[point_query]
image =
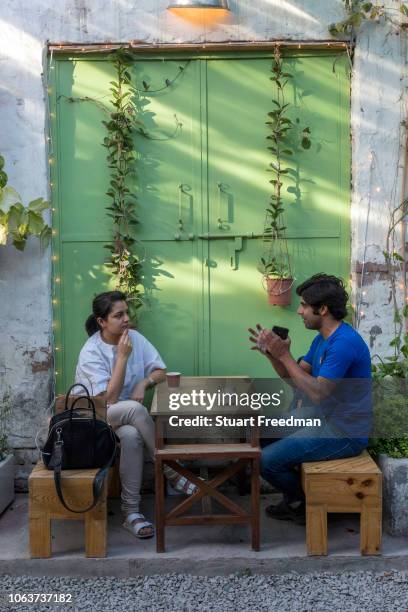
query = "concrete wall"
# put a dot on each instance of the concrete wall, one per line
(378, 107)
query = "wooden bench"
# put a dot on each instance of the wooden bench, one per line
(343, 485)
(45, 505)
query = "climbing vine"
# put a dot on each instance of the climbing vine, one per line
(275, 262)
(359, 11)
(124, 262)
(122, 124)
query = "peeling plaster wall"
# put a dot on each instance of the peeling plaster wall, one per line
(378, 107)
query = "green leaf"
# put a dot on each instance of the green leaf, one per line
(306, 142)
(333, 29)
(3, 178)
(404, 9)
(1, 162)
(397, 257)
(35, 223)
(405, 311)
(38, 205)
(367, 6)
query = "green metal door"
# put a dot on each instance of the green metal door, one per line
(239, 97)
(204, 161)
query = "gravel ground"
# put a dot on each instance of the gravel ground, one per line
(242, 592)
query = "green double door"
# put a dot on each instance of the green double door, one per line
(202, 187)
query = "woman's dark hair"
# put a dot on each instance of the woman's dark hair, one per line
(325, 290)
(101, 307)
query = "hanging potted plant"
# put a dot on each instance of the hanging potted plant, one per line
(278, 280)
(6, 457)
(277, 276)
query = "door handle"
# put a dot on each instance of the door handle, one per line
(220, 192)
(183, 190)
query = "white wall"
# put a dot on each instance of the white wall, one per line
(378, 107)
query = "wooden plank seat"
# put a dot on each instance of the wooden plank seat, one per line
(45, 505)
(241, 454)
(353, 484)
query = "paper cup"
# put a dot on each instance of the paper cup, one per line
(173, 379)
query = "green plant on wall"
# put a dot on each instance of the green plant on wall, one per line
(275, 261)
(124, 262)
(359, 11)
(391, 373)
(18, 222)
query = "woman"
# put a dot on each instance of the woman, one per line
(121, 364)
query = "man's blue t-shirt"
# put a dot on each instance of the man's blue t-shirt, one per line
(345, 357)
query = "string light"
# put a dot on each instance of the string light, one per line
(54, 257)
(364, 293)
(57, 348)
(378, 189)
(50, 160)
(55, 301)
(57, 279)
(54, 232)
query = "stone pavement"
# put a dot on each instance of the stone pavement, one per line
(205, 550)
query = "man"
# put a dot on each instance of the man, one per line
(329, 376)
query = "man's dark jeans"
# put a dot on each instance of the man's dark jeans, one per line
(281, 457)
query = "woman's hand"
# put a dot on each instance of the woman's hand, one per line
(139, 391)
(124, 346)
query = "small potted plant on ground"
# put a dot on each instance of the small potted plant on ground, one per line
(6, 457)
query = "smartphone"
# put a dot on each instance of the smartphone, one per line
(282, 332)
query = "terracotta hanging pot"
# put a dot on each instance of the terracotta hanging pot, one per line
(279, 291)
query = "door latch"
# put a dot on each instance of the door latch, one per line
(236, 246)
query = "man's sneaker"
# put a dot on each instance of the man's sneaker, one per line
(284, 512)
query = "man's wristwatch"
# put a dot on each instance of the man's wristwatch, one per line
(151, 381)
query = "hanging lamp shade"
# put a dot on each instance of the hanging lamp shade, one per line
(199, 4)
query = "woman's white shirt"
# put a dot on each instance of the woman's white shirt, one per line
(97, 359)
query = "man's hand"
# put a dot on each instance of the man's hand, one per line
(254, 337)
(274, 345)
(139, 391)
(268, 343)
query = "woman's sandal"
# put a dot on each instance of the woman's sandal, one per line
(183, 485)
(135, 522)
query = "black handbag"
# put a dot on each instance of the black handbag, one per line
(79, 441)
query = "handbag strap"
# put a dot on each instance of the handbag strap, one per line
(97, 484)
(90, 405)
(69, 392)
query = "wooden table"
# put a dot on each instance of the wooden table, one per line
(239, 453)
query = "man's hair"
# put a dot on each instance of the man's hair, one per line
(325, 290)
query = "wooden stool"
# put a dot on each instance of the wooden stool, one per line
(343, 485)
(45, 505)
(241, 453)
